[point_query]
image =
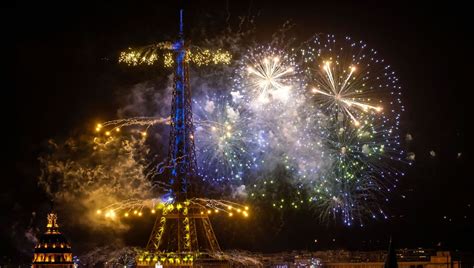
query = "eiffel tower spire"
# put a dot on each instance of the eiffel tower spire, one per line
(181, 147)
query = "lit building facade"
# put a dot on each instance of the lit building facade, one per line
(52, 250)
(440, 259)
(406, 258)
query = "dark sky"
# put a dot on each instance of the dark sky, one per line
(64, 75)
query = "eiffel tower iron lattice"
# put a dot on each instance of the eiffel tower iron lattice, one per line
(182, 233)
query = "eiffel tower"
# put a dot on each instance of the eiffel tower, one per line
(182, 235)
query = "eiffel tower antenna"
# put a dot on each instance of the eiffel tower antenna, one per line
(181, 31)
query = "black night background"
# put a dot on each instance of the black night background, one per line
(64, 78)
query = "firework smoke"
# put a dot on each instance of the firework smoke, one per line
(84, 174)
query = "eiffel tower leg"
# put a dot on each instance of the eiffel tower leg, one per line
(157, 233)
(186, 231)
(211, 236)
(193, 233)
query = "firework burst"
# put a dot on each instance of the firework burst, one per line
(267, 77)
(223, 139)
(359, 96)
(349, 79)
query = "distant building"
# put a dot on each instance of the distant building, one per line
(53, 250)
(406, 258)
(418, 258)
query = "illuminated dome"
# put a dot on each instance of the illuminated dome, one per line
(53, 249)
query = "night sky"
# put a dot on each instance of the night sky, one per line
(64, 77)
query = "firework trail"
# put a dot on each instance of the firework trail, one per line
(131, 122)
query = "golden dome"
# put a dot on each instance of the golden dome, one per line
(52, 249)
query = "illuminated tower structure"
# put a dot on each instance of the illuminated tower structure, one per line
(52, 250)
(182, 235)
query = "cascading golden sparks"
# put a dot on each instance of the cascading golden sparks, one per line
(138, 207)
(151, 55)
